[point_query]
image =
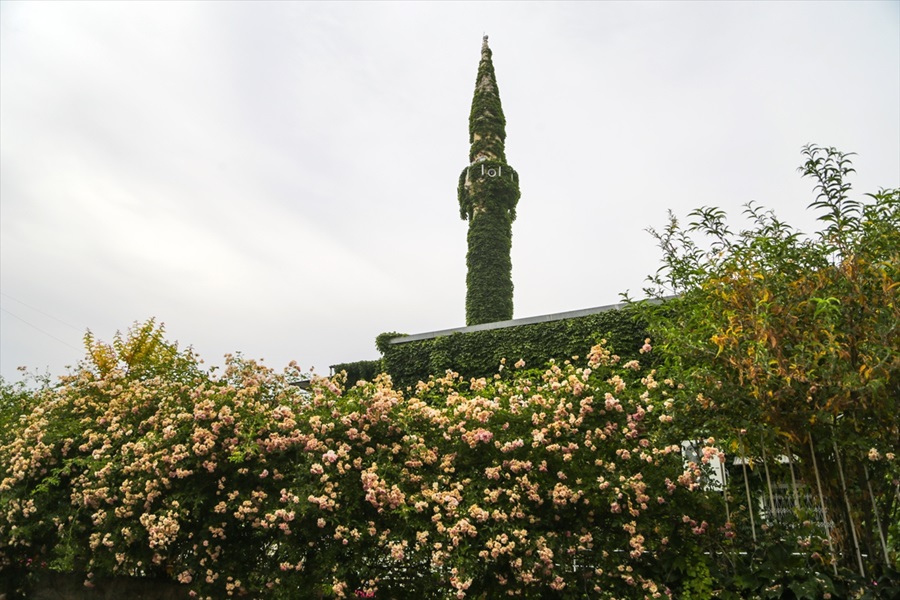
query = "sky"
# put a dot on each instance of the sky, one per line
(279, 179)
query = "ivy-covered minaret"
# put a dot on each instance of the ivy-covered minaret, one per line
(488, 194)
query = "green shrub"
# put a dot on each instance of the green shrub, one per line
(238, 483)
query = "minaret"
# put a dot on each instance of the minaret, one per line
(488, 194)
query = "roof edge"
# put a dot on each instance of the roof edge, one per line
(572, 314)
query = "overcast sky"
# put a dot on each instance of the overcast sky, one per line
(280, 178)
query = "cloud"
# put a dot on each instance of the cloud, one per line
(280, 178)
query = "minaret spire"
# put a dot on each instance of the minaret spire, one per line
(488, 194)
(487, 126)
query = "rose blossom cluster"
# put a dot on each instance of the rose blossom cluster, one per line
(534, 479)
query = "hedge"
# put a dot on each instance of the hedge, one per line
(478, 353)
(359, 370)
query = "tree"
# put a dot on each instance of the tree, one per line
(791, 343)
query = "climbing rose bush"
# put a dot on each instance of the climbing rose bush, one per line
(237, 482)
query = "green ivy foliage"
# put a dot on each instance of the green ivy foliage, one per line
(487, 125)
(480, 192)
(488, 193)
(478, 353)
(489, 286)
(366, 370)
(383, 341)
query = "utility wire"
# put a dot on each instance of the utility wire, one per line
(172, 349)
(64, 343)
(39, 311)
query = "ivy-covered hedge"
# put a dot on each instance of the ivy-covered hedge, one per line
(361, 369)
(478, 353)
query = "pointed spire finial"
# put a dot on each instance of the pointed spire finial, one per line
(486, 122)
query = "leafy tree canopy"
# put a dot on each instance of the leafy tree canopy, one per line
(791, 337)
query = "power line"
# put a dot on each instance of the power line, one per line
(39, 311)
(64, 343)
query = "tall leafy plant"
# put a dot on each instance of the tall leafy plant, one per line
(792, 345)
